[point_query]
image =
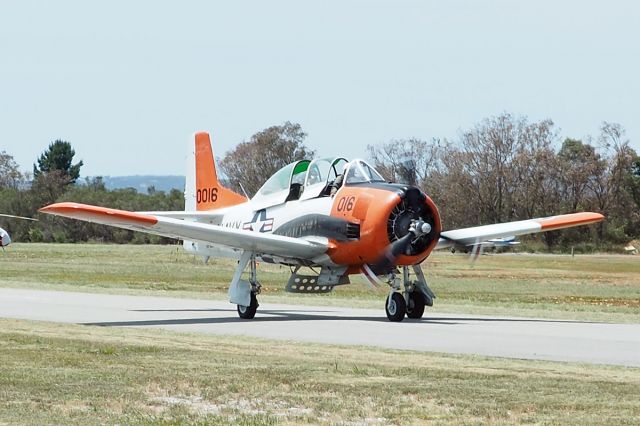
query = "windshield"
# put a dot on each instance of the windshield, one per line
(360, 171)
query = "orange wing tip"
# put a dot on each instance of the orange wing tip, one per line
(569, 220)
(80, 211)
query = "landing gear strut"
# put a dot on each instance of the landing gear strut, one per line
(410, 302)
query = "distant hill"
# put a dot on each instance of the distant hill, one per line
(144, 182)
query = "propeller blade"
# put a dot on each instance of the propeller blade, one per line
(415, 199)
(476, 252)
(391, 253)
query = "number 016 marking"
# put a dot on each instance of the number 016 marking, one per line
(345, 204)
(207, 194)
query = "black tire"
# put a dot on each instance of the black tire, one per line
(397, 308)
(248, 312)
(415, 310)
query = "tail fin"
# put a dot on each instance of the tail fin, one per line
(202, 189)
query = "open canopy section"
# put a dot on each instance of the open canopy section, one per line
(282, 185)
(321, 173)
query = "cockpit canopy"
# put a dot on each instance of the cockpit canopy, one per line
(306, 179)
(283, 178)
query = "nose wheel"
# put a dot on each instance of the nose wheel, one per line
(396, 307)
(415, 308)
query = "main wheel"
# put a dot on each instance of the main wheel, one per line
(396, 307)
(248, 312)
(415, 310)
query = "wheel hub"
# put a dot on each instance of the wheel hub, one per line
(392, 307)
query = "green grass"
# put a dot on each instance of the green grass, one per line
(72, 374)
(588, 287)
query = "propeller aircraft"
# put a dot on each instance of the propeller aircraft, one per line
(5, 239)
(368, 226)
(492, 243)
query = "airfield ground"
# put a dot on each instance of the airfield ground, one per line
(588, 287)
(66, 373)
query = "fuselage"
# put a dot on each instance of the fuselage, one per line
(358, 222)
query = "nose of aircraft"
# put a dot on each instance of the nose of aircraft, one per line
(411, 208)
(5, 240)
(409, 228)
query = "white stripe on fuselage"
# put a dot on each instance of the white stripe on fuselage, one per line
(243, 216)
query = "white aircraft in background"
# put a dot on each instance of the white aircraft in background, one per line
(491, 243)
(5, 239)
(370, 226)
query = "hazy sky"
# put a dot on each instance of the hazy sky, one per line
(127, 82)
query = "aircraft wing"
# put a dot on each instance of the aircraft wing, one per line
(261, 243)
(479, 234)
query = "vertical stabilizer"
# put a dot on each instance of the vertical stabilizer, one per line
(203, 191)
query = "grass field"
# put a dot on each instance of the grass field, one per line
(588, 287)
(72, 374)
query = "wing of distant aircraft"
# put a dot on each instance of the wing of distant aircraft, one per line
(303, 217)
(18, 217)
(5, 239)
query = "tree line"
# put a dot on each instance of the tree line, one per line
(504, 168)
(55, 179)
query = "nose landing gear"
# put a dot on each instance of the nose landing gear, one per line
(412, 301)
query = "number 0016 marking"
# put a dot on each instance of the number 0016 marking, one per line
(207, 194)
(345, 204)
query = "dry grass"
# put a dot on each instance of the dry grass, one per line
(70, 374)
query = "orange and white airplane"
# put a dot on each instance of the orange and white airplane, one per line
(369, 226)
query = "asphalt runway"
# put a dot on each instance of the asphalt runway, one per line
(524, 338)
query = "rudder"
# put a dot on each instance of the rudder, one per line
(203, 191)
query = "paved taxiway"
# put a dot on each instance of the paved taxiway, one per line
(527, 338)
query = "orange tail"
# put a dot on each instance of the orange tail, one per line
(203, 191)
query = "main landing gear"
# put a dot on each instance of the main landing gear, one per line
(244, 293)
(410, 302)
(248, 312)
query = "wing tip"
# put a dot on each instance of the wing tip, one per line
(570, 220)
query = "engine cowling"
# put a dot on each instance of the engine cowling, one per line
(385, 213)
